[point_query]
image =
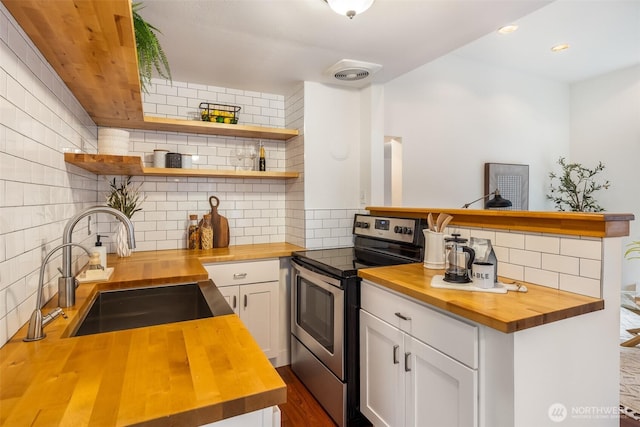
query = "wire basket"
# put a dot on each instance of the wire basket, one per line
(219, 113)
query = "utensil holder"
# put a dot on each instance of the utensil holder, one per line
(433, 250)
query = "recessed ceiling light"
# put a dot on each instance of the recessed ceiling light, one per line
(507, 29)
(560, 47)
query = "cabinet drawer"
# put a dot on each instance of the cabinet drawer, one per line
(240, 273)
(451, 336)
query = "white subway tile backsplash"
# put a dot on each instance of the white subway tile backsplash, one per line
(542, 243)
(483, 234)
(561, 264)
(509, 240)
(525, 258)
(590, 268)
(580, 285)
(541, 277)
(39, 193)
(583, 248)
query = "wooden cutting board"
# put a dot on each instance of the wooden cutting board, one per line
(220, 225)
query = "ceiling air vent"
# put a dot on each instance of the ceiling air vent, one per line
(352, 74)
(348, 70)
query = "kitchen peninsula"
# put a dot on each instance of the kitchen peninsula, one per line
(186, 373)
(532, 359)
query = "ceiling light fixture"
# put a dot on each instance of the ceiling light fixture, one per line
(560, 47)
(349, 8)
(507, 29)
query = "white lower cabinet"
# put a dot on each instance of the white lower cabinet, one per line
(252, 291)
(404, 381)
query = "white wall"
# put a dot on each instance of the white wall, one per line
(454, 115)
(331, 147)
(605, 126)
(371, 140)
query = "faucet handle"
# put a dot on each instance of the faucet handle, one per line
(52, 315)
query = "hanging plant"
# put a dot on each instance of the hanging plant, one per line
(125, 197)
(576, 185)
(150, 53)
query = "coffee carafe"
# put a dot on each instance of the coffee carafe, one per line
(459, 259)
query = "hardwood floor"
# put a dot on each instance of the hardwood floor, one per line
(628, 422)
(301, 409)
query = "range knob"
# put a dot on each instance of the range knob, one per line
(397, 229)
(365, 225)
(407, 230)
(358, 224)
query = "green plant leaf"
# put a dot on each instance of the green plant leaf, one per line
(575, 187)
(150, 53)
(125, 197)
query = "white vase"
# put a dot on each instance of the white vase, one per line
(122, 243)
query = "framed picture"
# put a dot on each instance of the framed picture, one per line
(511, 180)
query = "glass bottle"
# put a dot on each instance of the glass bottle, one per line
(193, 235)
(206, 232)
(262, 162)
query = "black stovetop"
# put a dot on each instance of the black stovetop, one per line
(345, 262)
(341, 262)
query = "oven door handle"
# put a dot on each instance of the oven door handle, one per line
(327, 283)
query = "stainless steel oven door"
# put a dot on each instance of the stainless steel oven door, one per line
(317, 316)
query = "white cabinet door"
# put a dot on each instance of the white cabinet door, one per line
(232, 295)
(258, 309)
(440, 391)
(252, 289)
(382, 381)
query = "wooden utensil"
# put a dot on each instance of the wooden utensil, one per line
(430, 222)
(445, 222)
(439, 222)
(220, 225)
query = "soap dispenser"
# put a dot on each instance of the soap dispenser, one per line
(102, 250)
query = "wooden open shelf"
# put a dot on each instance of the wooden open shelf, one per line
(99, 64)
(105, 164)
(207, 128)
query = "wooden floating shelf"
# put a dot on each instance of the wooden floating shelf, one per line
(195, 126)
(107, 85)
(105, 164)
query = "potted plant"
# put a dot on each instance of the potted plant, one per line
(127, 199)
(576, 185)
(633, 251)
(150, 53)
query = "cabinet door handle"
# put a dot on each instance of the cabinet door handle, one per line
(395, 354)
(402, 316)
(235, 302)
(246, 301)
(238, 276)
(406, 362)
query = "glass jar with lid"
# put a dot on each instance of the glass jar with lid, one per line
(206, 232)
(193, 233)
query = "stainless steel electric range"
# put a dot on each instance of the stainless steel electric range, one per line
(325, 299)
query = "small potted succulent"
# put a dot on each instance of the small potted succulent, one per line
(126, 198)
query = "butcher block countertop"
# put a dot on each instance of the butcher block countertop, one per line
(510, 312)
(180, 374)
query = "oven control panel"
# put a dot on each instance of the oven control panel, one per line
(388, 228)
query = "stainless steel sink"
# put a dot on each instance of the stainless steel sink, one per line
(147, 306)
